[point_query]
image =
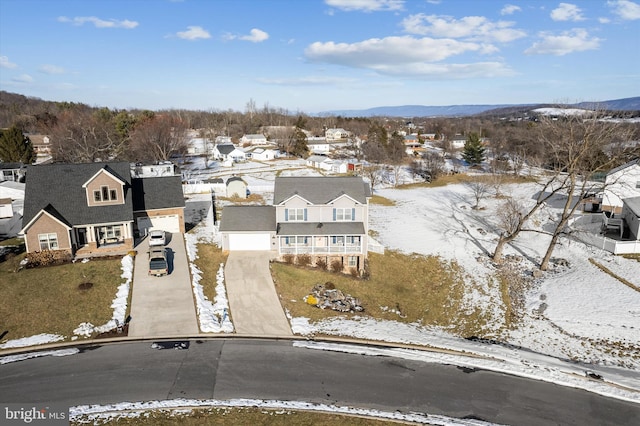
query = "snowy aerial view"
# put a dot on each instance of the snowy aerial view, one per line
(577, 325)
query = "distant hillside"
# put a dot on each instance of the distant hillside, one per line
(627, 104)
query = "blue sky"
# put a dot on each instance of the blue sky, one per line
(318, 55)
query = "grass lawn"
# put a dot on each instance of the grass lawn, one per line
(48, 299)
(209, 259)
(241, 416)
(401, 287)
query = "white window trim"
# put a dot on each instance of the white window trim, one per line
(50, 239)
(296, 214)
(345, 212)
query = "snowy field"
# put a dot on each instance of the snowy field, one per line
(576, 320)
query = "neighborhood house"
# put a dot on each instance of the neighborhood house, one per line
(97, 208)
(323, 217)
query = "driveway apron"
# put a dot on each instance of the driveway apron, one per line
(163, 306)
(254, 303)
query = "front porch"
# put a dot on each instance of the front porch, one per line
(102, 239)
(320, 245)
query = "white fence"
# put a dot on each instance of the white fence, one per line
(586, 229)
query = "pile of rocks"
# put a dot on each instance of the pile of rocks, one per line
(326, 296)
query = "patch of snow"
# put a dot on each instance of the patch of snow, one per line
(21, 357)
(38, 339)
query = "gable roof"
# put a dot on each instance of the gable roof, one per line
(248, 218)
(235, 179)
(154, 193)
(624, 166)
(321, 190)
(59, 187)
(227, 149)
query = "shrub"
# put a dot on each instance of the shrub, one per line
(354, 272)
(336, 265)
(48, 258)
(303, 260)
(288, 259)
(321, 263)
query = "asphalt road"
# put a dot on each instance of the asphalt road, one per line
(265, 369)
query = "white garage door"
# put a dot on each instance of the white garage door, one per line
(170, 223)
(249, 242)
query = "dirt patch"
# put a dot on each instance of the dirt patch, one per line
(85, 286)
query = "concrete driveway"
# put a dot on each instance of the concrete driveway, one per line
(253, 301)
(163, 306)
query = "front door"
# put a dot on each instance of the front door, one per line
(82, 237)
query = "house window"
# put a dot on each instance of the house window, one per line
(352, 261)
(341, 215)
(296, 241)
(296, 215)
(337, 240)
(105, 194)
(110, 233)
(353, 240)
(638, 184)
(48, 241)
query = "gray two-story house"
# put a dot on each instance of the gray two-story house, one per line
(323, 217)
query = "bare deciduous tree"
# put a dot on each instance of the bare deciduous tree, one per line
(579, 147)
(82, 136)
(479, 189)
(158, 138)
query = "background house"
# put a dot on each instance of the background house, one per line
(228, 154)
(12, 172)
(621, 182)
(255, 139)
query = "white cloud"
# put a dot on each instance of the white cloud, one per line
(604, 20)
(6, 63)
(255, 36)
(625, 9)
(23, 78)
(576, 40)
(194, 33)
(99, 23)
(408, 56)
(366, 5)
(510, 9)
(469, 27)
(51, 69)
(567, 12)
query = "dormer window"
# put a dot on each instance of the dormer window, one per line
(105, 194)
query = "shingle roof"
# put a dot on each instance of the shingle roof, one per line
(321, 190)
(323, 228)
(59, 186)
(157, 193)
(634, 205)
(624, 166)
(226, 149)
(248, 218)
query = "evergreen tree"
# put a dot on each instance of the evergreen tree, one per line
(473, 152)
(15, 147)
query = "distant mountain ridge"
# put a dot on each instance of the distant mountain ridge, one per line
(626, 104)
